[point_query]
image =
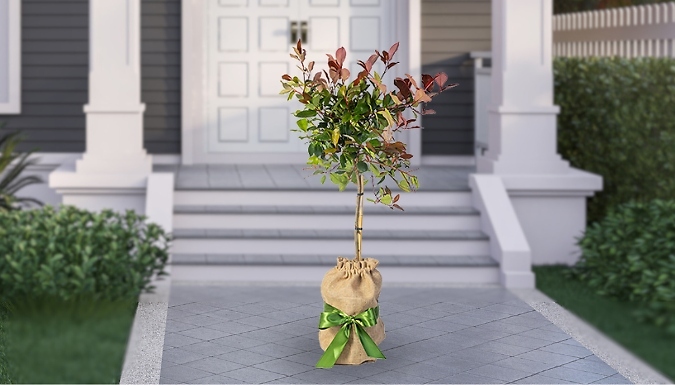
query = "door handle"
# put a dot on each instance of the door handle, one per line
(304, 29)
(294, 32)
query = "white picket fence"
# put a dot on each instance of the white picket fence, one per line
(638, 31)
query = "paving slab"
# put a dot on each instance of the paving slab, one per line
(268, 334)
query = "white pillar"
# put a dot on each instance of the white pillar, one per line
(115, 112)
(548, 195)
(522, 117)
(114, 169)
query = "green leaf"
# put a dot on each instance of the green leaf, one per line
(302, 123)
(335, 136)
(374, 170)
(387, 116)
(403, 185)
(386, 199)
(305, 113)
(323, 179)
(362, 166)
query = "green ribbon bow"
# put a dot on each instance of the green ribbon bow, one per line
(334, 317)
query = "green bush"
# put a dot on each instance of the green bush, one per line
(74, 253)
(617, 119)
(630, 255)
(12, 165)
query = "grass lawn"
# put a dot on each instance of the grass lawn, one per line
(612, 317)
(66, 342)
(4, 376)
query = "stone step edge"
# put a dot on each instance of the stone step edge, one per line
(459, 188)
(326, 260)
(324, 210)
(263, 234)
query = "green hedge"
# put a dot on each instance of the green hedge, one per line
(630, 256)
(74, 253)
(617, 119)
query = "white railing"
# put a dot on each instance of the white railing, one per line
(638, 31)
(482, 93)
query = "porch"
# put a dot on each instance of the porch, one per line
(279, 223)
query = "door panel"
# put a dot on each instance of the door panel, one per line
(247, 52)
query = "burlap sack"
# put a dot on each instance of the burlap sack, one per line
(352, 287)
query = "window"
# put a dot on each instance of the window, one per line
(10, 56)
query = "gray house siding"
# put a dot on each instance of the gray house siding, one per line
(55, 65)
(450, 30)
(55, 46)
(55, 60)
(160, 74)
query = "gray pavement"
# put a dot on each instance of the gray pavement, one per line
(254, 334)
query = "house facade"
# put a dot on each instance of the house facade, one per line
(195, 82)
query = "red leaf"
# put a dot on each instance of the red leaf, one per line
(286, 77)
(400, 119)
(428, 112)
(299, 46)
(393, 50)
(344, 74)
(398, 207)
(317, 76)
(412, 81)
(341, 54)
(453, 85)
(391, 64)
(421, 96)
(333, 74)
(403, 87)
(427, 81)
(372, 59)
(441, 78)
(362, 75)
(310, 66)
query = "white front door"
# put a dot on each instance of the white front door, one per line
(248, 47)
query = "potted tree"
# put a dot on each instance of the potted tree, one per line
(349, 126)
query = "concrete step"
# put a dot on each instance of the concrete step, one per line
(314, 198)
(320, 210)
(313, 274)
(309, 242)
(330, 260)
(326, 217)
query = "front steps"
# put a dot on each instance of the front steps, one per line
(291, 235)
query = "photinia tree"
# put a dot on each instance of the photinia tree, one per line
(350, 125)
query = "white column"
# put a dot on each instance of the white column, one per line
(113, 172)
(522, 117)
(115, 112)
(549, 196)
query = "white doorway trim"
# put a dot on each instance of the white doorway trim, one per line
(193, 81)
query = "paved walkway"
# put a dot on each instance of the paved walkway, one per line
(253, 334)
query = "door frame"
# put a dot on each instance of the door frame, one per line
(194, 75)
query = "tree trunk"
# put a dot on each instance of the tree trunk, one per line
(358, 225)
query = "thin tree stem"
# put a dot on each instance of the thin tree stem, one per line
(358, 225)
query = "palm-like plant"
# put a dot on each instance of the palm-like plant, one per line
(12, 165)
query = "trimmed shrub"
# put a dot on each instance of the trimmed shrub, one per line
(617, 119)
(630, 256)
(75, 253)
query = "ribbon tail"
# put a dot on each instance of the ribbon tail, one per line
(335, 348)
(368, 344)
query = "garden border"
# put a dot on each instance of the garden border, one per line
(143, 357)
(615, 355)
